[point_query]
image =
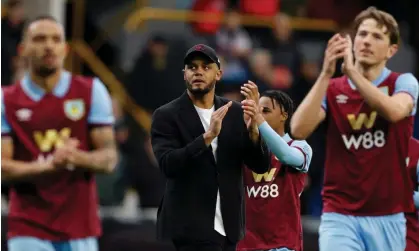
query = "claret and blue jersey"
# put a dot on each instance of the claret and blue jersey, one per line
(61, 205)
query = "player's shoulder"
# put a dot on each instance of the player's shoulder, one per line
(413, 143)
(405, 77)
(10, 89)
(82, 81)
(303, 145)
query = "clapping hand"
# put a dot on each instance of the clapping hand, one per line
(336, 48)
(250, 92)
(348, 58)
(64, 155)
(216, 123)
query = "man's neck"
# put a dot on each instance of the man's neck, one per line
(280, 130)
(46, 83)
(371, 72)
(205, 101)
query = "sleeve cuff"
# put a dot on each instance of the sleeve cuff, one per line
(303, 166)
(196, 147)
(5, 134)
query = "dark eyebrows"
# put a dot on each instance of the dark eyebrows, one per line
(192, 64)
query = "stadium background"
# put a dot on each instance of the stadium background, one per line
(136, 48)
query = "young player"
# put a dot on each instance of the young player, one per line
(56, 133)
(273, 220)
(412, 218)
(370, 120)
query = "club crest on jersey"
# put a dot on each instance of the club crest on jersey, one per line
(74, 109)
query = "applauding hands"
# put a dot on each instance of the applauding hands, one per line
(252, 114)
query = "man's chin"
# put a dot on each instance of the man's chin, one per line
(46, 71)
(198, 91)
(367, 61)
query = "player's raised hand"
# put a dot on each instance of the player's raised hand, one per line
(250, 91)
(251, 109)
(217, 120)
(348, 63)
(335, 50)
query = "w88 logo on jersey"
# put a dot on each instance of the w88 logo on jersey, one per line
(366, 140)
(262, 191)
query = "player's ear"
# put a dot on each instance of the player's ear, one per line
(392, 50)
(284, 116)
(184, 74)
(218, 75)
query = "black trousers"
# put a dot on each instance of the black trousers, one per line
(221, 243)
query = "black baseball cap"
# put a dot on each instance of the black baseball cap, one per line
(204, 50)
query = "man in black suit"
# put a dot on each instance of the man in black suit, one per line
(201, 142)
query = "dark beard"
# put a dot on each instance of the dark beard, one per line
(45, 71)
(199, 92)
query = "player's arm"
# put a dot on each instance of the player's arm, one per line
(13, 169)
(393, 108)
(293, 156)
(298, 155)
(172, 158)
(18, 170)
(310, 113)
(103, 158)
(256, 154)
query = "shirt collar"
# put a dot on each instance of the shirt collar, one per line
(36, 93)
(384, 74)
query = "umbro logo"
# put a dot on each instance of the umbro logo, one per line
(24, 114)
(341, 99)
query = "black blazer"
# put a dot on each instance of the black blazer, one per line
(193, 177)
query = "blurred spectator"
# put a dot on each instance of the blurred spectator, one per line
(11, 31)
(233, 44)
(342, 11)
(260, 63)
(212, 7)
(154, 79)
(265, 8)
(286, 58)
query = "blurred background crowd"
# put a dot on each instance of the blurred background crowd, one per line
(136, 48)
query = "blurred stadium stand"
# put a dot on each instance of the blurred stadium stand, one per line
(136, 48)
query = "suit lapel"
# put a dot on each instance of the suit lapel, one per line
(192, 122)
(190, 116)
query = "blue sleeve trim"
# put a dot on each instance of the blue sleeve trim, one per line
(5, 127)
(101, 111)
(408, 83)
(416, 199)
